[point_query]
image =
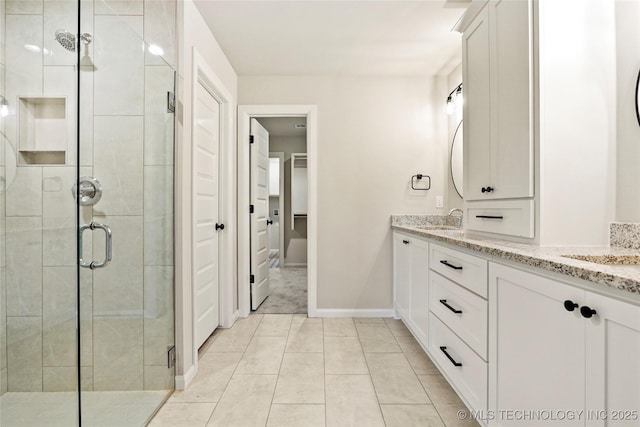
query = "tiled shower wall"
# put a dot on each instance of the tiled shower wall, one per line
(126, 142)
(3, 293)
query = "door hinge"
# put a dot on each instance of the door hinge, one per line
(250, 209)
(171, 356)
(171, 102)
(250, 139)
(252, 278)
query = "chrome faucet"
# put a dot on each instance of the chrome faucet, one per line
(461, 214)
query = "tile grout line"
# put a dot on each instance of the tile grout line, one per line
(414, 371)
(324, 372)
(369, 369)
(234, 369)
(284, 351)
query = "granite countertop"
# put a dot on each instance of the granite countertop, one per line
(622, 277)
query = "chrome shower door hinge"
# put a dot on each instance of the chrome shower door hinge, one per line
(171, 356)
(171, 102)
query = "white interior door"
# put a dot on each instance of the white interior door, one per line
(260, 200)
(205, 211)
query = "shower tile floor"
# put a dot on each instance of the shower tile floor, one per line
(99, 408)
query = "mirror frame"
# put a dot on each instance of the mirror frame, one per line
(638, 98)
(453, 143)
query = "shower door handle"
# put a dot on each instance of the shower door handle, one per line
(107, 232)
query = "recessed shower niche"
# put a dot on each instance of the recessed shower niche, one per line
(42, 130)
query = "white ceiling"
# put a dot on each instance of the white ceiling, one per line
(329, 37)
(284, 126)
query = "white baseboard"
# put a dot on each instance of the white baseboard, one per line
(183, 381)
(294, 264)
(357, 312)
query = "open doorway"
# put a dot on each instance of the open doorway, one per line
(286, 215)
(292, 243)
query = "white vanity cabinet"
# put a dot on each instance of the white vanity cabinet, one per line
(457, 339)
(410, 277)
(549, 351)
(496, 67)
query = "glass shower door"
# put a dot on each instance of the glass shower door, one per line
(126, 237)
(83, 100)
(38, 262)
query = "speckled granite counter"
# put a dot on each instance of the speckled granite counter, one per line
(623, 277)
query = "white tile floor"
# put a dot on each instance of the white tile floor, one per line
(289, 370)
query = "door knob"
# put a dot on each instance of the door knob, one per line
(269, 222)
(219, 227)
(570, 305)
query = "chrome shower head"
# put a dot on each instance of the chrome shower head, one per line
(68, 40)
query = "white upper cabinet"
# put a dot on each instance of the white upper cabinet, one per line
(498, 113)
(476, 109)
(511, 109)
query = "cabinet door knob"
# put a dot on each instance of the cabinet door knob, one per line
(219, 227)
(487, 189)
(570, 305)
(406, 242)
(587, 312)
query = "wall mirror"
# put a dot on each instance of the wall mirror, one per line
(455, 159)
(638, 98)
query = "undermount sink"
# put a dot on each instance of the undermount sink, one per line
(437, 227)
(608, 259)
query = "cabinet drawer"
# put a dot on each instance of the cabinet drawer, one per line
(464, 312)
(466, 270)
(466, 371)
(510, 217)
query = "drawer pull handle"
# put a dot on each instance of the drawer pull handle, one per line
(406, 242)
(444, 302)
(489, 216)
(444, 350)
(487, 189)
(455, 267)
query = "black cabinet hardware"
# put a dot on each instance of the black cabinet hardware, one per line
(444, 302)
(406, 242)
(444, 350)
(570, 305)
(587, 312)
(455, 267)
(219, 227)
(487, 189)
(269, 222)
(489, 216)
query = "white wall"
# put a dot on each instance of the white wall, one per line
(374, 133)
(193, 32)
(628, 137)
(577, 122)
(454, 78)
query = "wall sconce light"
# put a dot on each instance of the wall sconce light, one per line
(4, 106)
(454, 99)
